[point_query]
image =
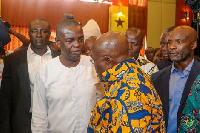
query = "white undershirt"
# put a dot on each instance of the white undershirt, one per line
(34, 63)
(64, 97)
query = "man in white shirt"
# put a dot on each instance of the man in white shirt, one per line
(66, 87)
(19, 77)
(135, 40)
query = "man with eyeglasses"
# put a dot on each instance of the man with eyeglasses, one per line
(135, 40)
(18, 79)
(67, 87)
(130, 103)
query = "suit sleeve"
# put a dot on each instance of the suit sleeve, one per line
(6, 97)
(39, 113)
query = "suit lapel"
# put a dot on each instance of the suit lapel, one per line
(24, 64)
(23, 73)
(165, 88)
(195, 70)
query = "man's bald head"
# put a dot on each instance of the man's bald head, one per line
(39, 20)
(113, 44)
(108, 50)
(89, 44)
(136, 32)
(189, 32)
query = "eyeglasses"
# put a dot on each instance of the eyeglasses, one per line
(93, 60)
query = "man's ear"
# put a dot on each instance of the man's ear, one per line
(194, 44)
(57, 42)
(109, 61)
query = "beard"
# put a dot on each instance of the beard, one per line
(180, 55)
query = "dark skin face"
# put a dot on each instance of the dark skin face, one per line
(181, 45)
(70, 41)
(149, 52)
(135, 44)
(88, 45)
(157, 57)
(39, 33)
(163, 45)
(101, 62)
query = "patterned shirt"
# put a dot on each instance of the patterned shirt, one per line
(146, 65)
(190, 119)
(130, 103)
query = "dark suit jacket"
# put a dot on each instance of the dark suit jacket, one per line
(160, 80)
(15, 94)
(163, 63)
(4, 34)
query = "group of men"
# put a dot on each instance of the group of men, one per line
(46, 91)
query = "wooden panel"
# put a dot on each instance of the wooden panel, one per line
(138, 17)
(154, 24)
(21, 12)
(168, 15)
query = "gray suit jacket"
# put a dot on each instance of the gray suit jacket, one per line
(15, 94)
(160, 80)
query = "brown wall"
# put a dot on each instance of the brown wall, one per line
(21, 12)
(137, 16)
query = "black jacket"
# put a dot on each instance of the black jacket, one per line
(15, 94)
(160, 80)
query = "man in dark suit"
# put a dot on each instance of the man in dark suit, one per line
(174, 82)
(163, 47)
(19, 77)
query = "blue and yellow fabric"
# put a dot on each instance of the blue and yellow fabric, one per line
(130, 103)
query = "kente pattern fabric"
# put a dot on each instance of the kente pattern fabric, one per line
(130, 103)
(190, 119)
(146, 65)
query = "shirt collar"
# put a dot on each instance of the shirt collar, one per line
(116, 72)
(31, 52)
(186, 70)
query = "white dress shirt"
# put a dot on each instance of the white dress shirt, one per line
(34, 63)
(64, 97)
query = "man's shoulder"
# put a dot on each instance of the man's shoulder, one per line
(51, 66)
(16, 55)
(145, 61)
(196, 63)
(163, 63)
(86, 60)
(161, 73)
(55, 53)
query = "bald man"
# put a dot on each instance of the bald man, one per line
(88, 45)
(130, 102)
(173, 83)
(135, 40)
(66, 88)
